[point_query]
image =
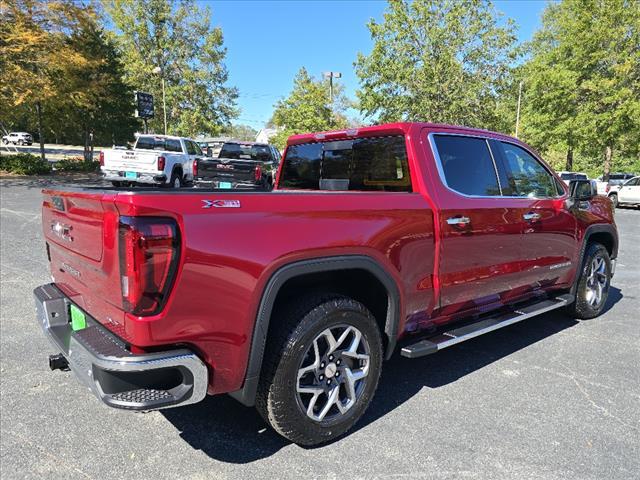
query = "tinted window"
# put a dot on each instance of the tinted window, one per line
(246, 151)
(301, 167)
(172, 145)
(632, 183)
(370, 164)
(158, 143)
(192, 148)
(467, 165)
(529, 178)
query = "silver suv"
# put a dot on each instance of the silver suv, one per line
(18, 138)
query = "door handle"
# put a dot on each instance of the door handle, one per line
(459, 221)
(531, 216)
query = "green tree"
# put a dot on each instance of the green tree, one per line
(241, 132)
(438, 61)
(308, 109)
(176, 36)
(34, 50)
(583, 82)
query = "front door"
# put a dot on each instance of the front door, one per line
(630, 191)
(548, 247)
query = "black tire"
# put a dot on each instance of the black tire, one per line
(584, 307)
(116, 184)
(614, 199)
(176, 180)
(297, 326)
(5, 141)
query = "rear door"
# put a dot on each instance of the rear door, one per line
(481, 229)
(548, 246)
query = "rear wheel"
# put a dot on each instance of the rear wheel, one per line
(614, 199)
(321, 368)
(116, 183)
(593, 283)
(176, 180)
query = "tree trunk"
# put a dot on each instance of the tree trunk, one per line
(40, 134)
(86, 144)
(569, 164)
(608, 153)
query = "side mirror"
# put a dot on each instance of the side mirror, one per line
(581, 190)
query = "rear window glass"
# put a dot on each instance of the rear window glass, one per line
(241, 151)
(467, 165)
(367, 164)
(159, 143)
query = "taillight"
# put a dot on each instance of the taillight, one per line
(149, 250)
(161, 163)
(101, 158)
(195, 168)
(607, 188)
(258, 172)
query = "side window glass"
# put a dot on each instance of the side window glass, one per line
(467, 165)
(529, 177)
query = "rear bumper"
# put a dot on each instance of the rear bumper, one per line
(116, 376)
(148, 178)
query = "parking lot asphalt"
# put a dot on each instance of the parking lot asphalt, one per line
(548, 398)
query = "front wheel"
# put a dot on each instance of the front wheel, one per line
(321, 368)
(614, 199)
(593, 283)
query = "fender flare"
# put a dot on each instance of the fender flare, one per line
(589, 232)
(246, 395)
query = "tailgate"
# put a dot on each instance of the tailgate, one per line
(240, 170)
(133, 160)
(80, 229)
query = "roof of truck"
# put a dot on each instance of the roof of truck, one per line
(384, 129)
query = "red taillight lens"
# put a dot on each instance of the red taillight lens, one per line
(149, 251)
(258, 172)
(101, 158)
(195, 168)
(607, 188)
(161, 163)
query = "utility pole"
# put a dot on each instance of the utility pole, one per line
(518, 112)
(331, 76)
(158, 70)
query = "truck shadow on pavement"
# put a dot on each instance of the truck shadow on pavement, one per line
(227, 431)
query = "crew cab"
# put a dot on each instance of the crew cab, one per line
(404, 237)
(155, 159)
(239, 165)
(18, 138)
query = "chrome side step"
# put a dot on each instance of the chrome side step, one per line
(467, 332)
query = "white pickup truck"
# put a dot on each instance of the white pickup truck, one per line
(155, 159)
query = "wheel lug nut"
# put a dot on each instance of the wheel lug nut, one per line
(331, 357)
(322, 365)
(338, 362)
(321, 377)
(329, 382)
(337, 374)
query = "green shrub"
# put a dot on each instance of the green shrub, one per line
(76, 164)
(24, 164)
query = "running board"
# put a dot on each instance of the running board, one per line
(467, 332)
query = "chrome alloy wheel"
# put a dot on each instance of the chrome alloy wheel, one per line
(333, 372)
(596, 281)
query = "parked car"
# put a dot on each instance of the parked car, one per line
(568, 176)
(615, 179)
(18, 138)
(406, 236)
(626, 194)
(239, 165)
(155, 159)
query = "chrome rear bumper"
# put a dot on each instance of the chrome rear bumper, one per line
(118, 377)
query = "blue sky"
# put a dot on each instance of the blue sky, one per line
(268, 41)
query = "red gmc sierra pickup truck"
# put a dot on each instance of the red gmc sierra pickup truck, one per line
(407, 237)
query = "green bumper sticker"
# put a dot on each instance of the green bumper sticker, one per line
(78, 320)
